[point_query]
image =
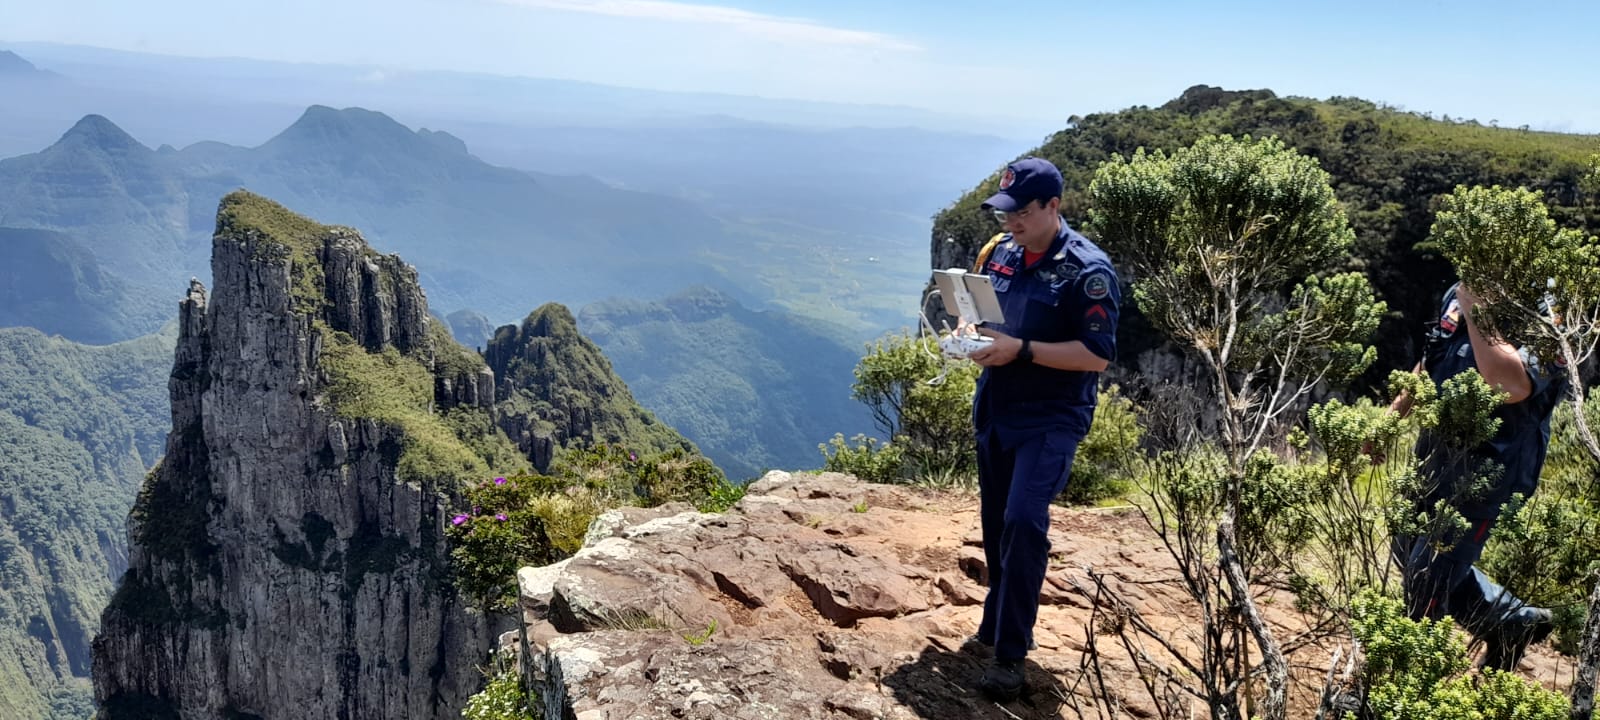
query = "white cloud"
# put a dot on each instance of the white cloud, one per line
(767, 26)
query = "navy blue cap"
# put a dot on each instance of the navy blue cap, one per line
(1023, 182)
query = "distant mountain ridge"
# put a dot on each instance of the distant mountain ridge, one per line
(820, 189)
(50, 281)
(363, 169)
(13, 64)
(120, 199)
(483, 236)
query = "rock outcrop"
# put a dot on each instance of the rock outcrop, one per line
(287, 556)
(819, 596)
(555, 388)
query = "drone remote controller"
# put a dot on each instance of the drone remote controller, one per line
(960, 346)
(974, 299)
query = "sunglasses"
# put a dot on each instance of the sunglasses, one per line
(1005, 217)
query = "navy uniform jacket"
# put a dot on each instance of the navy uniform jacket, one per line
(1070, 293)
(1519, 445)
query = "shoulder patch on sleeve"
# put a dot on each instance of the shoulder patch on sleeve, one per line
(1063, 274)
(1097, 285)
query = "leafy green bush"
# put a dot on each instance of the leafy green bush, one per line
(723, 496)
(1546, 549)
(677, 476)
(1505, 245)
(1417, 671)
(864, 457)
(1101, 469)
(502, 698)
(499, 534)
(1507, 696)
(513, 521)
(622, 477)
(929, 424)
(924, 404)
(567, 516)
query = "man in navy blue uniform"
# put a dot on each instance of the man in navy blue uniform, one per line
(1035, 397)
(1439, 583)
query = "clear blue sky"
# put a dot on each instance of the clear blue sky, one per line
(1034, 60)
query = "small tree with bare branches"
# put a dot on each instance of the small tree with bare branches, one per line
(1227, 241)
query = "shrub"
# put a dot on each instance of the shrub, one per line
(1101, 468)
(864, 457)
(502, 698)
(1417, 671)
(511, 522)
(930, 425)
(499, 534)
(723, 496)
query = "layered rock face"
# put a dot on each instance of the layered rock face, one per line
(282, 563)
(819, 597)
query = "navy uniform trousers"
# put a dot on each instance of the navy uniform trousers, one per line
(1446, 583)
(1017, 485)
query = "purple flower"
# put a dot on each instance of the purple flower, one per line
(633, 456)
(476, 509)
(499, 481)
(500, 516)
(457, 520)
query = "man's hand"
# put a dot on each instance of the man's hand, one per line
(1002, 351)
(1401, 408)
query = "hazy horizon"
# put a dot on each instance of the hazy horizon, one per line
(1033, 65)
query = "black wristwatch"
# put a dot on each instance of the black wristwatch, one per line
(1025, 355)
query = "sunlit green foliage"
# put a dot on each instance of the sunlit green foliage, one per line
(1418, 671)
(508, 522)
(1386, 167)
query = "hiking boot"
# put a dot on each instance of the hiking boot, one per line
(1003, 680)
(1504, 646)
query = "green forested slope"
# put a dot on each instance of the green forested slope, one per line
(1387, 168)
(79, 426)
